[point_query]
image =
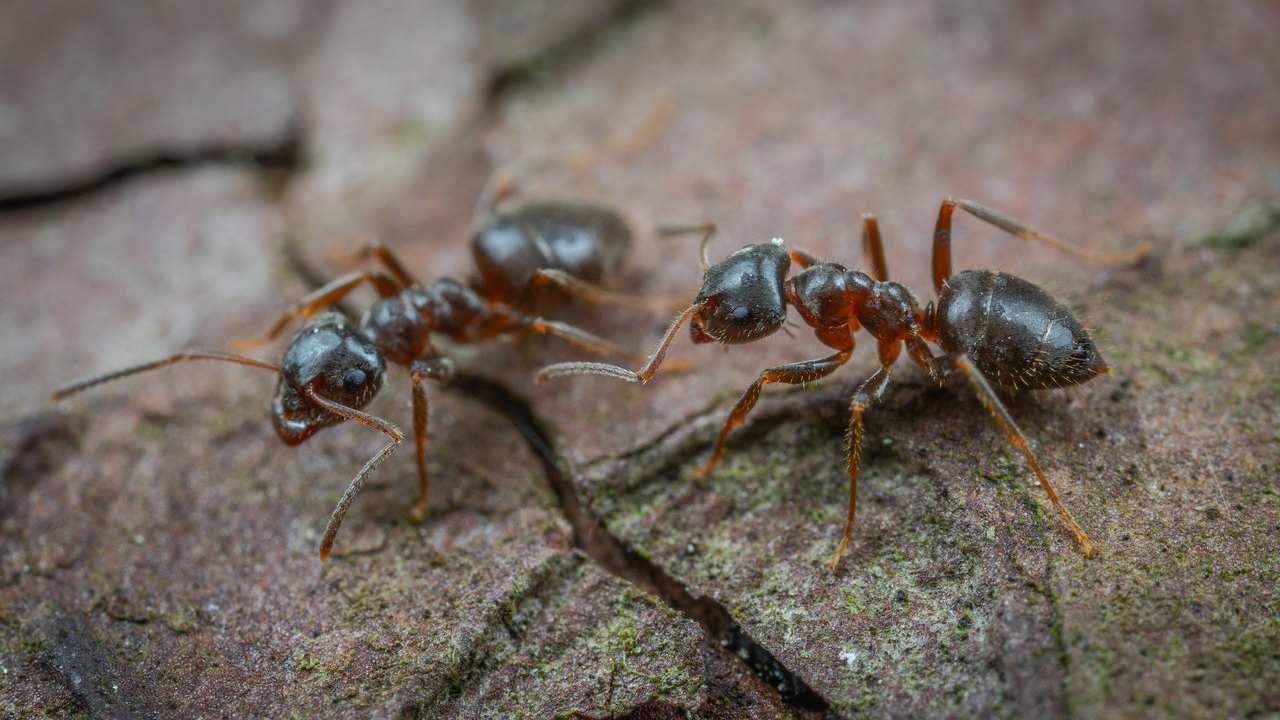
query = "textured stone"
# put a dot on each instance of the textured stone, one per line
(157, 543)
(92, 85)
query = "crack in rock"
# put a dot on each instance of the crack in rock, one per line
(611, 554)
(285, 153)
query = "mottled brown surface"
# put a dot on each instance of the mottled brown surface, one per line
(157, 544)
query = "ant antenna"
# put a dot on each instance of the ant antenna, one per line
(357, 483)
(620, 373)
(80, 385)
(708, 231)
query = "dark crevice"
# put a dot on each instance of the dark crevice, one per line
(570, 49)
(614, 556)
(284, 154)
(30, 448)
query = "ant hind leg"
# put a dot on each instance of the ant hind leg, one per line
(1002, 419)
(942, 239)
(592, 293)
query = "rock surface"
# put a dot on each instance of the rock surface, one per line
(157, 543)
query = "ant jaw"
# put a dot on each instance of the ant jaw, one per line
(698, 334)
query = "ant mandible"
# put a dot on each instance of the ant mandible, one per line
(993, 326)
(332, 369)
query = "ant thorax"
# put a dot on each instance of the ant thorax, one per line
(401, 326)
(889, 312)
(825, 294)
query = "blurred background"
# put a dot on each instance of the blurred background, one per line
(159, 159)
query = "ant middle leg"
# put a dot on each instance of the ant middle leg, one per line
(1005, 422)
(433, 368)
(942, 239)
(796, 373)
(321, 298)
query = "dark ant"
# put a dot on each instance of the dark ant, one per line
(331, 369)
(989, 325)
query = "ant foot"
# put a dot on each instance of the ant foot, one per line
(702, 472)
(417, 513)
(835, 559)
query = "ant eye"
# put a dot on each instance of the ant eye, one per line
(353, 380)
(741, 313)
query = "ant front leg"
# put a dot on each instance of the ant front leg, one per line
(322, 298)
(867, 393)
(992, 403)
(796, 373)
(389, 260)
(439, 369)
(873, 247)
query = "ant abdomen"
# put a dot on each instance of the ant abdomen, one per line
(586, 241)
(1015, 332)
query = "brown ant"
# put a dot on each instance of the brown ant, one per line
(332, 369)
(988, 324)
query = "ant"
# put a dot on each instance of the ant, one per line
(332, 368)
(993, 326)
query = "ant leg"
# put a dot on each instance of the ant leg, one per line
(708, 231)
(436, 368)
(1002, 418)
(803, 258)
(942, 239)
(921, 355)
(571, 334)
(873, 247)
(867, 393)
(320, 299)
(796, 373)
(389, 260)
(80, 385)
(593, 293)
(353, 489)
(500, 187)
(643, 375)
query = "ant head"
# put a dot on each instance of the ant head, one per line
(332, 360)
(742, 296)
